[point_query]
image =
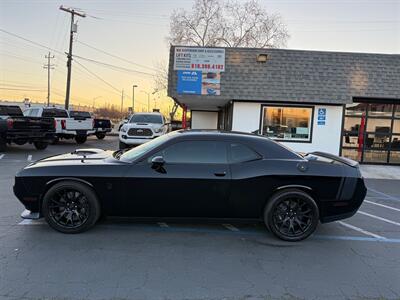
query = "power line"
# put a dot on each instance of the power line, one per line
(98, 77)
(115, 56)
(30, 41)
(114, 67)
(18, 89)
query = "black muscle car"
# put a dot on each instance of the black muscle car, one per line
(194, 174)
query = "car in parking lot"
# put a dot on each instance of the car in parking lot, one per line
(19, 129)
(100, 126)
(141, 128)
(194, 174)
(68, 126)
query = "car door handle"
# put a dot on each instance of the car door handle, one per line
(220, 174)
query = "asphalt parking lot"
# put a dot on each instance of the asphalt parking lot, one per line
(358, 258)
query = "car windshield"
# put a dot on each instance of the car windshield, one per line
(146, 119)
(80, 114)
(138, 151)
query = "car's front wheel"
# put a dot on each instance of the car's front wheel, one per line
(71, 207)
(291, 215)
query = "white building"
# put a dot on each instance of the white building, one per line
(343, 103)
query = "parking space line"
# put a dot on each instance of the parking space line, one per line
(162, 224)
(378, 218)
(230, 227)
(1, 156)
(31, 222)
(29, 157)
(382, 205)
(383, 194)
(360, 230)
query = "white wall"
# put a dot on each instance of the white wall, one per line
(246, 118)
(204, 119)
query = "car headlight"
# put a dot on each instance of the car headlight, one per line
(124, 129)
(157, 130)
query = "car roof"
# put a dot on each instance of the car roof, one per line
(262, 144)
(147, 113)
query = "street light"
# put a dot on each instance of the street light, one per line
(133, 97)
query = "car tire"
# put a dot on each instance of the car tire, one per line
(123, 146)
(3, 145)
(71, 207)
(291, 215)
(100, 136)
(20, 142)
(80, 139)
(55, 141)
(40, 145)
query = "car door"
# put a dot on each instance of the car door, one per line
(194, 181)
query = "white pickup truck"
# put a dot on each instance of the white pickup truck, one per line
(67, 127)
(141, 128)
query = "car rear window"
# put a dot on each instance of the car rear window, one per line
(11, 111)
(80, 114)
(242, 153)
(55, 113)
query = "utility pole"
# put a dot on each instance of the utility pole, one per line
(49, 67)
(69, 55)
(133, 97)
(122, 101)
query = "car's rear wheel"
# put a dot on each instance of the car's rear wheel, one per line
(40, 145)
(291, 215)
(80, 139)
(71, 207)
(100, 136)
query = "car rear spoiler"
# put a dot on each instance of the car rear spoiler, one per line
(344, 160)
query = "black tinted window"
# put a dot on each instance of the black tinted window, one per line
(195, 152)
(11, 111)
(80, 114)
(55, 113)
(241, 153)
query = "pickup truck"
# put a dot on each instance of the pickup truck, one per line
(67, 126)
(141, 128)
(18, 129)
(100, 126)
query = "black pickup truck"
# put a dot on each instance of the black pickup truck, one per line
(18, 129)
(100, 126)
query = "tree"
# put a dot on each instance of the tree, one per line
(227, 23)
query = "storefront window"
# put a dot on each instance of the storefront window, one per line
(287, 123)
(355, 109)
(380, 110)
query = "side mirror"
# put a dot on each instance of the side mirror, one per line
(157, 161)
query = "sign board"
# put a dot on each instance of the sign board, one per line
(189, 82)
(321, 116)
(199, 83)
(199, 59)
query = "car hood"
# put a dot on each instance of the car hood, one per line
(79, 156)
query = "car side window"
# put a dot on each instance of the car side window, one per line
(242, 153)
(198, 152)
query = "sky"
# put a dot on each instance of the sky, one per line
(136, 31)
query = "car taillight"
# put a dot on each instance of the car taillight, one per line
(10, 123)
(92, 123)
(55, 123)
(63, 124)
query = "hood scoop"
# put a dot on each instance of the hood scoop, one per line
(85, 152)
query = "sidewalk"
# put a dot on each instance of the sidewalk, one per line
(380, 172)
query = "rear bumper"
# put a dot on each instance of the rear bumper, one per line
(344, 208)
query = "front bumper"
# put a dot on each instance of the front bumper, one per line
(134, 140)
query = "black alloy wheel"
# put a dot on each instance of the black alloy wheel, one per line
(71, 207)
(291, 215)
